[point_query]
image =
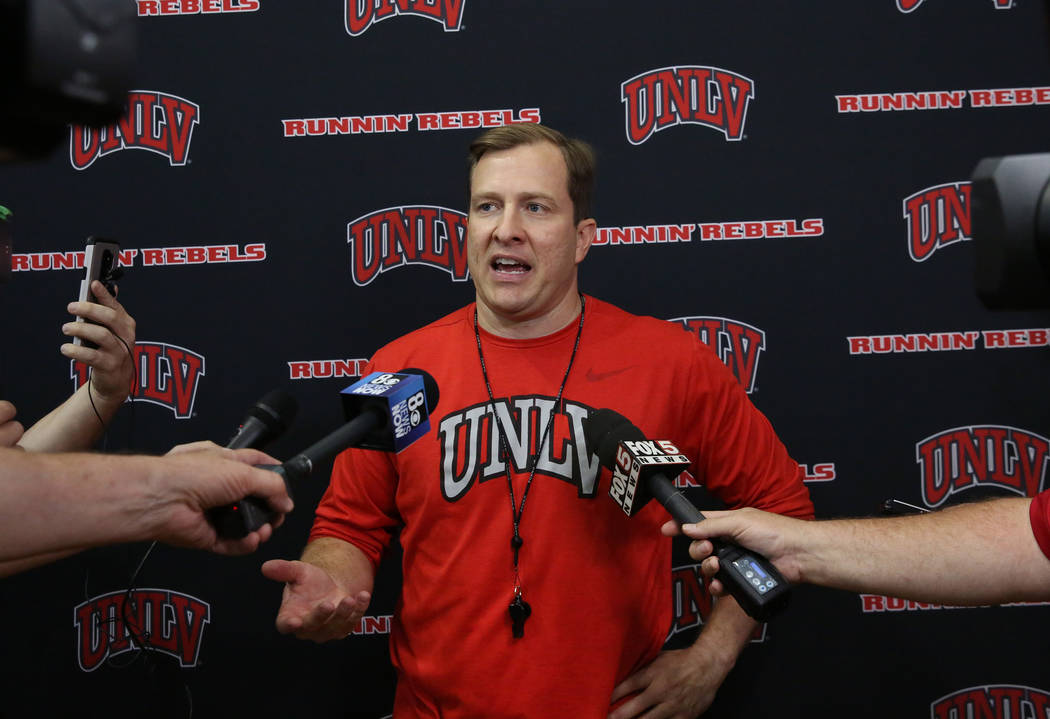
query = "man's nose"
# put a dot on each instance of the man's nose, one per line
(509, 228)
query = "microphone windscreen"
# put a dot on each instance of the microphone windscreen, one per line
(604, 429)
(276, 410)
(430, 387)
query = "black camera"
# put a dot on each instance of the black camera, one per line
(1010, 211)
(68, 62)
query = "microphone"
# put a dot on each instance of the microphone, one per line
(267, 420)
(639, 467)
(392, 411)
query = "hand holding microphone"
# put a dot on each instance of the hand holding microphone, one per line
(640, 468)
(391, 410)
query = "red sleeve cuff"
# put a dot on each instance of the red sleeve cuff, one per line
(1039, 513)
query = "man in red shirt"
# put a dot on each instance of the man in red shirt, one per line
(526, 593)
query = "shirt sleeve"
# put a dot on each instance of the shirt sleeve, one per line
(741, 458)
(1039, 514)
(360, 504)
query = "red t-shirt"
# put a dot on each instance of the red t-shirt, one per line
(1039, 513)
(598, 582)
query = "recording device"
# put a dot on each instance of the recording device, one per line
(65, 62)
(640, 468)
(1010, 215)
(102, 263)
(266, 421)
(394, 411)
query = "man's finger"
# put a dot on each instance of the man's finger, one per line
(10, 433)
(709, 567)
(7, 411)
(281, 570)
(700, 548)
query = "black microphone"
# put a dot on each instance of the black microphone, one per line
(267, 420)
(392, 411)
(639, 467)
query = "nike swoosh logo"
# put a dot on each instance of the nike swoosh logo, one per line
(593, 376)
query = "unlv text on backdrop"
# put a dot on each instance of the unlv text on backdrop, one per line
(171, 622)
(909, 5)
(410, 235)
(686, 95)
(154, 121)
(993, 701)
(937, 216)
(360, 16)
(738, 345)
(989, 456)
(692, 603)
(166, 375)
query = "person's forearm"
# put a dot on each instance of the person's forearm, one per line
(14, 566)
(347, 565)
(73, 425)
(726, 632)
(52, 503)
(972, 554)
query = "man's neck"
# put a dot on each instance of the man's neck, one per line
(521, 329)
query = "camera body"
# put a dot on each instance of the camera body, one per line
(70, 62)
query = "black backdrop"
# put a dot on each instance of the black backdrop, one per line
(831, 276)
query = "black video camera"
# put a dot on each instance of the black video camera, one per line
(66, 62)
(1010, 211)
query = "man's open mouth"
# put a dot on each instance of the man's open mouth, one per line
(503, 264)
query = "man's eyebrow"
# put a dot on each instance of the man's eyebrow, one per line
(527, 195)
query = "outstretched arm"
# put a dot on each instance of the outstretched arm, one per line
(325, 593)
(54, 504)
(74, 424)
(982, 553)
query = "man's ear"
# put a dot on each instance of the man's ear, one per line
(585, 233)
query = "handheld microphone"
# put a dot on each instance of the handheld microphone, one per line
(267, 420)
(393, 410)
(639, 467)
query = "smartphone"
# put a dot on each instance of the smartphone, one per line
(101, 260)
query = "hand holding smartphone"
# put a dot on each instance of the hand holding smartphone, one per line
(102, 263)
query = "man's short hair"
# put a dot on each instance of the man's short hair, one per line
(578, 155)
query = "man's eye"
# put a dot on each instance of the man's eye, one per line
(535, 207)
(485, 206)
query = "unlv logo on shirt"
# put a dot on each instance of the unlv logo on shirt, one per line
(962, 458)
(473, 431)
(909, 5)
(166, 375)
(995, 701)
(738, 345)
(937, 216)
(362, 14)
(686, 95)
(169, 622)
(154, 121)
(396, 236)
